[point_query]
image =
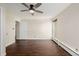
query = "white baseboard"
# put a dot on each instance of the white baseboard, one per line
(10, 43)
(66, 47)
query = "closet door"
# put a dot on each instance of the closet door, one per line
(2, 33)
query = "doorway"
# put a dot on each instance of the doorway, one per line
(17, 32)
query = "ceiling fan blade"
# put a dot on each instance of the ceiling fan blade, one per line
(25, 5)
(38, 11)
(23, 10)
(37, 5)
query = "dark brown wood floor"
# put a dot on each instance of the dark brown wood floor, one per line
(35, 48)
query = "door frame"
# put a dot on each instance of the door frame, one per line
(15, 29)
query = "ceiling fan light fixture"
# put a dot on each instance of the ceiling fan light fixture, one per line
(31, 8)
(31, 11)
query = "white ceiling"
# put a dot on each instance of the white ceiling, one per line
(50, 10)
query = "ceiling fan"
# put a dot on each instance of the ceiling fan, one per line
(32, 8)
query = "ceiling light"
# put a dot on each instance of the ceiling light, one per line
(31, 11)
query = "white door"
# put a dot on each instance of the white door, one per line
(2, 32)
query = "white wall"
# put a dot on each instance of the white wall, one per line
(35, 29)
(67, 26)
(10, 27)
